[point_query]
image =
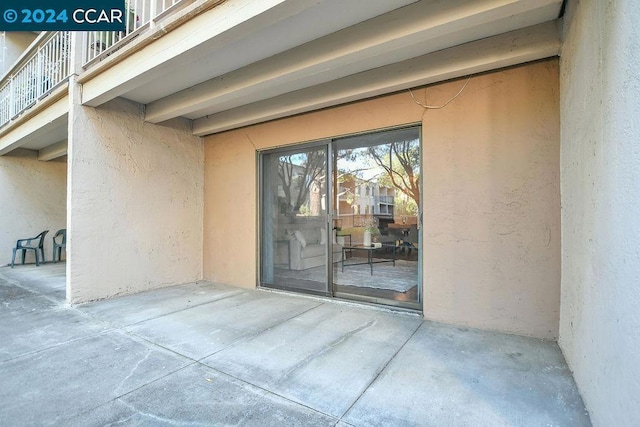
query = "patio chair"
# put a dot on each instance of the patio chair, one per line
(34, 244)
(59, 243)
(411, 240)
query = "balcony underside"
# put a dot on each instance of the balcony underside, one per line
(292, 61)
(42, 128)
(243, 62)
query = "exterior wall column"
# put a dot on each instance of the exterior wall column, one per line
(134, 202)
(600, 186)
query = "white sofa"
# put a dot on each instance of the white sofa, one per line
(307, 246)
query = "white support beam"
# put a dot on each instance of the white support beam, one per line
(516, 47)
(405, 33)
(52, 152)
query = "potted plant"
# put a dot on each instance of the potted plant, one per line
(370, 230)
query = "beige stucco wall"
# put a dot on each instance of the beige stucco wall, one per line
(600, 111)
(33, 198)
(135, 197)
(491, 195)
(492, 203)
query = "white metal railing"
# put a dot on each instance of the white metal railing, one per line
(5, 103)
(36, 74)
(140, 17)
(385, 199)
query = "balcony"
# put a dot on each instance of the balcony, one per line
(43, 67)
(385, 199)
(46, 63)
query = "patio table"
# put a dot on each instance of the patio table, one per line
(370, 250)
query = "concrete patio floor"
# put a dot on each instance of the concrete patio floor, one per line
(207, 354)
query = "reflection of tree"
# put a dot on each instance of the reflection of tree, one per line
(405, 206)
(401, 162)
(298, 173)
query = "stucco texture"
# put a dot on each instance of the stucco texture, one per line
(600, 167)
(492, 203)
(33, 198)
(136, 189)
(491, 256)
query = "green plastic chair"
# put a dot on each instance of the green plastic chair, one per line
(59, 243)
(34, 244)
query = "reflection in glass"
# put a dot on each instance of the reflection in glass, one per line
(294, 220)
(377, 199)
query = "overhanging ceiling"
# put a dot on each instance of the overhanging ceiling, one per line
(322, 53)
(44, 124)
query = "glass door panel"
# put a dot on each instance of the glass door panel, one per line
(294, 223)
(377, 217)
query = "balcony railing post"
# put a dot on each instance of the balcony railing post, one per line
(153, 12)
(78, 50)
(12, 98)
(84, 45)
(39, 79)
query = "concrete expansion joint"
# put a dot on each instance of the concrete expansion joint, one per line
(145, 384)
(57, 345)
(266, 391)
(123, 328)
(154, 344)
(382, 368)
(19, 285)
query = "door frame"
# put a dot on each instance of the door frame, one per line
(293, 148)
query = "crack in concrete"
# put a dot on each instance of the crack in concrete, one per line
(160, 418)
(117, 389)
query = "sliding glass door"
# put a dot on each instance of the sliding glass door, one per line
(354, 201)
(377, 216)
(294, 249)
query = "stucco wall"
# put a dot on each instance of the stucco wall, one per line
(33, 198)
(491, 195)
(492, 203)
(600, 168)
(135, 218)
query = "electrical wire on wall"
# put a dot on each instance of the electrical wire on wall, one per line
(437, 107)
